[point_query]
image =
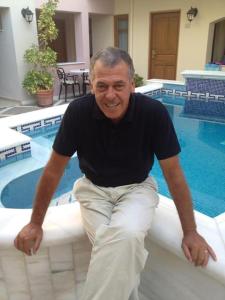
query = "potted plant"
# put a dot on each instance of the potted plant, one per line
(39, 80)
(138, 80)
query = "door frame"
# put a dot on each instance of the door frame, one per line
(150, 36)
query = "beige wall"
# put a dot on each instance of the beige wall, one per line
(102, 32)
(82, 9)
(122, 6)
(91, 6)
(193, 40)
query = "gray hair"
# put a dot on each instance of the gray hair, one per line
(110, 57)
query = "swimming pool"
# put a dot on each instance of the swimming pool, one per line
(202, 157)
(20, 191)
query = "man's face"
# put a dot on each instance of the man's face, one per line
(112, 88)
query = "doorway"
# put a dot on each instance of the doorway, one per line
(164, 36)
(59, 45)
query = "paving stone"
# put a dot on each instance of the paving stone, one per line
(20, 109)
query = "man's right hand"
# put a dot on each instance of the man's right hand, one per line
(29, 238)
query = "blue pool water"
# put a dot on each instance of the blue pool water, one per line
(202, 158)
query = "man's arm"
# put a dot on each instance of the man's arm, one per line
(194, 245)
(29, 238)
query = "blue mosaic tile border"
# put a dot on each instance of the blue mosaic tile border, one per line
(39, 124)
(174, 92)
(24, 150)
(183, 91)
(14, 154)
(206, 97)
(154, 92)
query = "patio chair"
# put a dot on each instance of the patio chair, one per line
(86, 83)
(66, 80)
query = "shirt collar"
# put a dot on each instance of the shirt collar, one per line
(98, 114)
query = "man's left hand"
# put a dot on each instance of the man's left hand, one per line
(196, 249)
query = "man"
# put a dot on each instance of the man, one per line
(116, 134)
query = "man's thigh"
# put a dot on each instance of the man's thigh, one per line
(95, 205)
(132, 208)
(135, 208)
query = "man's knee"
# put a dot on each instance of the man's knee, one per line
(120, 234)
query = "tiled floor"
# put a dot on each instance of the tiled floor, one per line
(8, 108)
(14, 110)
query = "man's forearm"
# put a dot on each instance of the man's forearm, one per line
(45, 190)
(194, 245)
(180, 192)
(182, 199)
(47, 186)
(30, 235)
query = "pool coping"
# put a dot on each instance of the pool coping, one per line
(63, 223)
(204, 74)
(14, 141)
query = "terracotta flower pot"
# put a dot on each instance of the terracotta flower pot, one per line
(44, 98)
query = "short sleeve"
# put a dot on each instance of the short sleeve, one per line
(66, 139)
(165, 139)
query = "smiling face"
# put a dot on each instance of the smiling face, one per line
(112, 87)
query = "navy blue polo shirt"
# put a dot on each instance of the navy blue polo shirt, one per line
(117, 154)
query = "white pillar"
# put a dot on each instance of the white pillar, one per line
(82, 38)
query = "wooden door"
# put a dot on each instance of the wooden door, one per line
(59, 45)
(164, 44)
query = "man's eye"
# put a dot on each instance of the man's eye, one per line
(119, 87)
(101, 87)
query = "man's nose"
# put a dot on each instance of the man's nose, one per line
(110, 93)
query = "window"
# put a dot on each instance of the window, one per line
(121, 31)
(218, 50)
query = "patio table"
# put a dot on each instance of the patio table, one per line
(81, 72)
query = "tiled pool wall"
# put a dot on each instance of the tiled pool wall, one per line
(23, 150)
(14, 154)
(205, 97)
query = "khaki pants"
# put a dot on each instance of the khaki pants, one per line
(116, 220)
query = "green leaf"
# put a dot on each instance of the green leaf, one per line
(42, 58)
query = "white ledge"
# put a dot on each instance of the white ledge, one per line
(70, 63)
(33, 116)
(220, 75)
(168, 234)
(148, 88)
(165, 81)
(11, 138)
(63, 225)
